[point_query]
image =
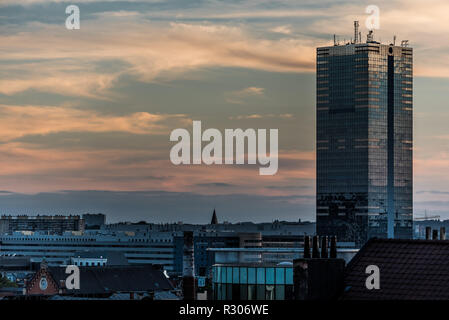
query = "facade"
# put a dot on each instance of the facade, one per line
(57, 224)
(155, 248)
(364, 141)
(94, 220)
(99, 259)
(236, 275)
(252, 282)
(135, 282)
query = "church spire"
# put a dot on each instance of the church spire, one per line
(214, 218)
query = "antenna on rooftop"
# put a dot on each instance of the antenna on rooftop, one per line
(370, 36)
(394, 40)
(335, 40)
(356, 31)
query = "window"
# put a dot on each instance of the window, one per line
(235, 275)
(280, 292)
(260, 292)
(270, 276)
(243, 275)
(243, 292)
(251, 292)
(260, 275)
(289, 275)
(251, 276)
(223, 275)
(280, 276)
(269, 292)
(229, 275)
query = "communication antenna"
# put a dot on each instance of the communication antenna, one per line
(370, 36)
(335, 40)
(394, 40)
(356, 31)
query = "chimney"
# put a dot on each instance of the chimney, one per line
(306, 254)
(333, 250)
(442, 233)
(318, 279)
(324, 247)
(188, 271)
(434, 234)
(428, 232)
(315, 249)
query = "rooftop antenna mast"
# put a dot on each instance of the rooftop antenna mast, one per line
(356, 31)
(394, 40)
(370, 36)
(335, 40)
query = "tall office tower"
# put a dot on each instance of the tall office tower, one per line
(364, 140)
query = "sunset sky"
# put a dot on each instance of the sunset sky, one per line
(85, 115)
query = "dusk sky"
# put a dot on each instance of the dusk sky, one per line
(86, 115)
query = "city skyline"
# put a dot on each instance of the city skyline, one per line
(86, 114)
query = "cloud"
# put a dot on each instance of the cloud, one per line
(250, 91)
(262, 116)
(19, 121)
(148, 51)
(33, 2)
(215, 184)
(239, 96)
(282, 29)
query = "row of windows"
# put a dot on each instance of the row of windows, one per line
(253, 275)
(239, 292)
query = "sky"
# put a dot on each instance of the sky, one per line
(86, 115)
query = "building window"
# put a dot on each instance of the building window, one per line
(260, 275)
(251, 275)
(280, 276)
(270, 276)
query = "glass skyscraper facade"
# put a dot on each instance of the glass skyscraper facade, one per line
(364, 141)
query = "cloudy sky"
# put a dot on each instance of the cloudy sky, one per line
(85, 115)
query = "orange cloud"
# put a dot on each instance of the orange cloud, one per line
(19, 121)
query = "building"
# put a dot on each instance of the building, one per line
(206, 241)
(139, 248)
(135, 282)
(99, 259)
(364, 140)
(94, 220)
(15, 269)
(57, 224)
(252, 282)
(237, 276)
(202, 241)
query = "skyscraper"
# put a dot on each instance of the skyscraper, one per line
(364, 140)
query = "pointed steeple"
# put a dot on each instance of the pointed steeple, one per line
(214, 218)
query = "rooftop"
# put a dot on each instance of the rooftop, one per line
(409, 270)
